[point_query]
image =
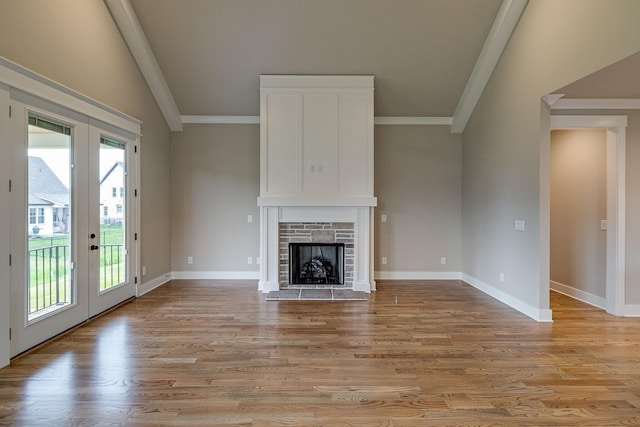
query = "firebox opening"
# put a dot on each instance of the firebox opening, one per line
(316, 263)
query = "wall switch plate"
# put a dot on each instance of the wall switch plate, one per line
(384, 260)
(501, 277)
(443, 260)
(383, 218)
(603, 224)
(519, 225)
(249, 218)
(144, 270)
(250, 260)
(189, 260)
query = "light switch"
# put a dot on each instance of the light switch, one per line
(519, 225)
(603, 224)
(383, 218)
(249, 218)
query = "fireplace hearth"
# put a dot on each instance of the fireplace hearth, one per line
(316, 263)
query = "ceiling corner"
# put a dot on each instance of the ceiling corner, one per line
(501, 30)
(127, 22)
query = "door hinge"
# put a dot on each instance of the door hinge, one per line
(135, 193)
(10, 184)
(9, 334)
(135, 148)
(135, 280)
(9, 111)
(135, 236)
(9, 260)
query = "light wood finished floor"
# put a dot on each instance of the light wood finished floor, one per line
(212, 353)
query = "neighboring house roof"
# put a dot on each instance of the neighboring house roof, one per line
(115, 165)
(45, 188)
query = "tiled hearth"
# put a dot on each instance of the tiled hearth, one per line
(316, 232)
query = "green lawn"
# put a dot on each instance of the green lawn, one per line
(49, 266)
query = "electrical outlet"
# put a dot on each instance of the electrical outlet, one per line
(501, 277)
(383, 218)
(144, 270)
(249, 218)
(384, 260)
(189, 260)
(443, 260)
(250, 260)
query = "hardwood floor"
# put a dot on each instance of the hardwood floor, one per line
(416, 354)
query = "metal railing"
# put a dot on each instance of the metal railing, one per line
(49, 274)
(49, 277)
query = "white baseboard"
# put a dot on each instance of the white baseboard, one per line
(632, 310)
(540, 315)
(216, 275)
(578, 294)
(417, 275)
(153, 283)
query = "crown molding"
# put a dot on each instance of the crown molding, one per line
(429, 121)
(501, 30)
(255, 120)
(127, 22)
(228, 120)
(596, 104)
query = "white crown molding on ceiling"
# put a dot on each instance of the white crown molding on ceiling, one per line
(499, 35)
(501, 30)
(596, 104)
(224, 120)
(255, 120)
(432, 121)
(125, 18)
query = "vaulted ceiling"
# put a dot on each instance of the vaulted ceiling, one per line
(212, 52)
(430, 58)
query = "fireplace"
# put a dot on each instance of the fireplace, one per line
(316, 181)
(316, 263)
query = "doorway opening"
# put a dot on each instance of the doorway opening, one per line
(615, 130)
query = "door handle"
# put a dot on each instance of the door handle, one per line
(94, 247)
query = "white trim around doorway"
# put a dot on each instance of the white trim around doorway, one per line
(616, 190)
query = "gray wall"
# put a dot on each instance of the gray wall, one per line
(418, 186)
(578, 203)
(632, 184)
(215, 185)
(505, 145)
(76, 43)
(216, 181)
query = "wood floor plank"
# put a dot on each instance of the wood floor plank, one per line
(434, 353)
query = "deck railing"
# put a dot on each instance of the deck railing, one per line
(50, 275)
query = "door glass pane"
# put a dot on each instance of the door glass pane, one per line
(49, 252)
(112, 213)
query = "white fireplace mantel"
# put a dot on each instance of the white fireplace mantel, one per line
(360, 216)
(316, 164)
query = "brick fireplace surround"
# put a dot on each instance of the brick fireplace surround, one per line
(351, 225)
(316, 232)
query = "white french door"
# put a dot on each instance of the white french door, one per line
(72, 213)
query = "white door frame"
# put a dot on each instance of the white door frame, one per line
(616, 154)
(15, 76)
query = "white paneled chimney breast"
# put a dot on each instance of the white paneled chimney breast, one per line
(316, 172)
